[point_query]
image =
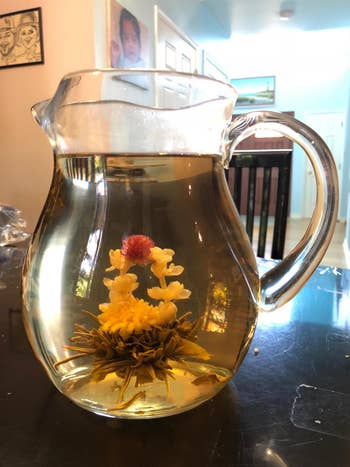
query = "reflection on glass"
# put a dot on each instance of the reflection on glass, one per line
(218, 303)
(49, 283)
(87, 265)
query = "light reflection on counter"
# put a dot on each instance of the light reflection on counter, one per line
(282, 315)
(341, 299)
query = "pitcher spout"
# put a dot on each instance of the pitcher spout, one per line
(39, 113)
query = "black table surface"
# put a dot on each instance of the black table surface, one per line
(288, 405)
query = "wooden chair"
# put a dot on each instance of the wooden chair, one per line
(259, 181)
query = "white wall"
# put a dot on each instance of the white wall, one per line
(25, 154)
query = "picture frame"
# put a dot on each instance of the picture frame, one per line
(212, 69)
(21, 38)
(134, 51)
(255, 91)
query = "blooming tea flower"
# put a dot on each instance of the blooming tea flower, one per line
(134, 338)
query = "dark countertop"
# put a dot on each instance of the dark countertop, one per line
(288, 405)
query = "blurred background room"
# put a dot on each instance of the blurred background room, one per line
(302, 45)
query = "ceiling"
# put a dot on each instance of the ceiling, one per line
(205, 19)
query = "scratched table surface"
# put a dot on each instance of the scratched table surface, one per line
(288, 405)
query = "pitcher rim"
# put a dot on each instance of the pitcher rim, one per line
(148, 71)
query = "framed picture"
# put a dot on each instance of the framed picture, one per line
(255, 91)
(128, 39)
(212, 69)
(21, 39)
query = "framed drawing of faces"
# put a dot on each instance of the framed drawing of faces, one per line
(21, 41)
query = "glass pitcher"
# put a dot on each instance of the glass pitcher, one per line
(140, 288)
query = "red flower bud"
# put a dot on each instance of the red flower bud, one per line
(137, 249)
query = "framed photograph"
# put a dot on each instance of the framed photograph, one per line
(21, 38)
(128, 39)
(255, 91)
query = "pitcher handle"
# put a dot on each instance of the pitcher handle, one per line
(283, 281)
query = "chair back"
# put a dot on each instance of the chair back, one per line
(259, 181)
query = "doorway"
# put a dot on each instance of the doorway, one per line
(173, 49)
(330, 126)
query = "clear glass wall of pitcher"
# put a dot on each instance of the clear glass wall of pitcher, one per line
(140, 288)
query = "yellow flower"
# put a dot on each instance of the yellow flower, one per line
(133, 315)
(121, 287)
(160, 258)
(118, 261)
(167, 312)
(161, 255)
(174, 291)
(173, 270)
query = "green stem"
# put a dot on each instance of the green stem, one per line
(127, 266)
(126, 383)
(128, 403)
(68, 359)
